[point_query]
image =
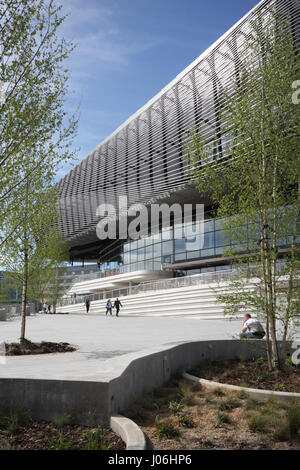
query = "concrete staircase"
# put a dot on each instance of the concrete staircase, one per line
(199, 300)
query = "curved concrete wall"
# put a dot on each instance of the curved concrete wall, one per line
(94, 402)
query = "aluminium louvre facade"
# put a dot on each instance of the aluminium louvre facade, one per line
(145, 157)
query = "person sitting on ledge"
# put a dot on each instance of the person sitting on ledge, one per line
(252, 328)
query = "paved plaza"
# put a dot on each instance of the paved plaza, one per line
(106, 345)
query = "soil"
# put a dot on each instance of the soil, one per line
(197, 425)
(252, 374)
(41, 435)
(28, 347)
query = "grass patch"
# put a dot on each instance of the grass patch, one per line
(62, 421)
(258, 423)
(12, 420)
(166, 428)
(175, 406)
(96, 439)
(61, 444)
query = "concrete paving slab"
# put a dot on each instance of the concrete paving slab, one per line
(106, 345)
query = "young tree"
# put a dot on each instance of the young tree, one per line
(34, 84)
(255, 186)
(36, 135)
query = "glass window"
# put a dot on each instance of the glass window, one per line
(167, 259)
(209, 252)
(209, 240)
(148, 252)
(157, 264)
(126, 247)
(222, 238)
(223, 267)
(156, 250)
(148, 241)
(149, 265)
(141, 254)
(133, 245)
(180, 256)
(156, 237)
(209, 225)
(219, 224)
(134, 256)
(179, 245)
(193, 254)
(178, 231)
(141, 243)
(209, 269)
(167, 247)
(167, 233)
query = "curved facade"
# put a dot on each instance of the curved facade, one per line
(145, 157)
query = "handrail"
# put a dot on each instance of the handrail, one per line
(148, 286)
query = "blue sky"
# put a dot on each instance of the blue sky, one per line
(128, 50)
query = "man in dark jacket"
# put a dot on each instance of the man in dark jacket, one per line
(117, 306)
(87, 305)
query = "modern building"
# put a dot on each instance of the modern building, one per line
(145, 159)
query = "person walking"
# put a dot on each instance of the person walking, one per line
(117, 306)
(87, 305)
(108, 307)
(49, 308)
(45, 307)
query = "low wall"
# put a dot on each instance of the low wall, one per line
(86, 402)
(94, 402)
(151, 371)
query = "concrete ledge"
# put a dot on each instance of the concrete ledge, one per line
(129, 431)
(252, 392)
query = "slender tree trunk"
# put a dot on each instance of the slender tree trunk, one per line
(24, 295)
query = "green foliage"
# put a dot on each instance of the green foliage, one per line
(166, 428)
(6, 444)
(221, 417)
(175, 406)
(36, 135)
(96, 439)
(186, 394)
(293, 418)
(62, 421)
(253, 404)
(186, 421)
(253, 181)
(61, 444)
(258, 423)
(229, 404)
(12, 420)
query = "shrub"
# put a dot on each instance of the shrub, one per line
(165, 428)
(220, 419)
(61, 421)
(293, 418)
(229, 404)
(258, 423)
(96, 439)
(282, 431)
(186, 395)
(61, 444)
(175, 406)
(14, 419)
(253, 404)
(186, 421)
